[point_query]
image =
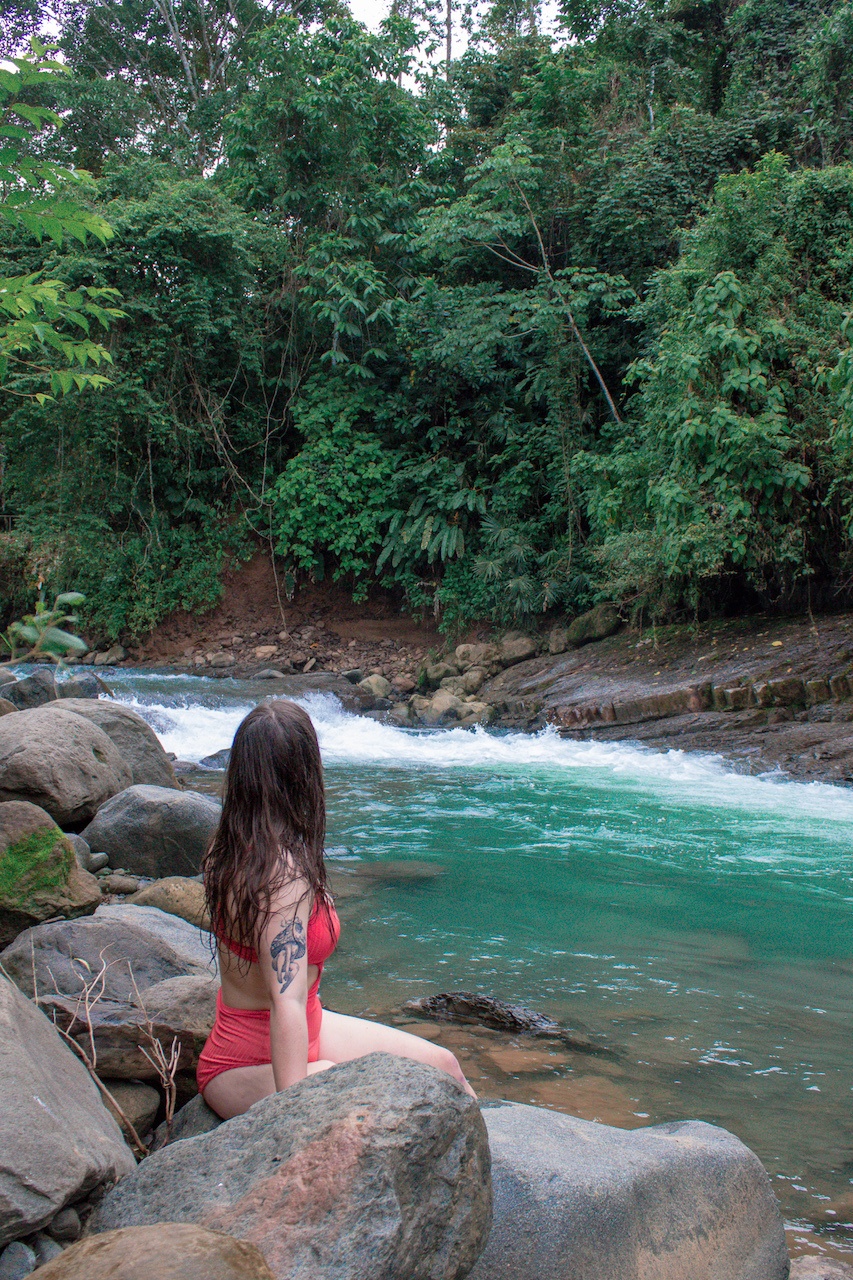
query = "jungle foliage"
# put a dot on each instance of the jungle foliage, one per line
(565, 321)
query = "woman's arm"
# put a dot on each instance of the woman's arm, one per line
(283, 958)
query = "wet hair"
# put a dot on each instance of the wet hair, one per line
(273, 823)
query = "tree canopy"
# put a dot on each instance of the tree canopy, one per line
(562, 321)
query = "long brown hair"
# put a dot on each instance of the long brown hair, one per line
(273, 822)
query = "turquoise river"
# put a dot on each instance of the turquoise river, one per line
(697, 921)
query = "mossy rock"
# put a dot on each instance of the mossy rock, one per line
(40, 877)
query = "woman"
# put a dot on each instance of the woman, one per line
(276, 925)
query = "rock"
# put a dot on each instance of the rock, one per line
(219, 759)
(58, 1141)
(6, 677)
(174, 1251)
(435, 672)
(272, 673)
(45, 1248)
(264, 651)
(599, 623)
(33, 691)
(157, 947)
(110, 656)
(473, 680)
(376, 686)
(468, 1007)
(181, 1009)
(477, 655)
(558, 640)
(400, 715)
(6, 707)
(355, 676)
(475, 713)
(139, 1102)
(573, 1198)
(86, 685)
(820, 1269)
(403, 684)
(788, 691)
(66, 1225)
(59, 761)
(82, 852)
(839, 686)
(39, 874)
(179, 896)
(444, 707)
(397, 870)
(154, 831)
(136, 741)
(222, 660)
(192, 1120)
(406, 1192)
(117, 882)
(516, 647)
(17, 1260)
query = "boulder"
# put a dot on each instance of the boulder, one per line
(33, 690)
(578, 1200)
(478, 655)
(57, 1139)
(174, 1251)
(516, 647)
(219, 759)
(6, 707)
(192, 1120)
(376, 686)
(814, 1268)
(558, 640)
(156, 946)
(443, 708)
(40, 876)
(472, 713)
(371, 1170)
(109, 656)
(138, 1101)
(599, 623)
(17, 1260)
(58, 760)
(179, 896)
(85, 684)
(154, 831)
(180, 1009)
(136, 741)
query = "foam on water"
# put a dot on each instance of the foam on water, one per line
(198, 723)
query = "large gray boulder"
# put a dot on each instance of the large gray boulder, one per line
(34, 690)
(154, 831)
(599, 623)
(59, 761)
(149, 943)
(58, 1142)
(375, 1169)
(39, 874)
(136, 741)
(577, 1200)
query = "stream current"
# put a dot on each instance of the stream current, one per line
(699, 921)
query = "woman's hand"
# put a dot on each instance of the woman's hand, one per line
(283, 959)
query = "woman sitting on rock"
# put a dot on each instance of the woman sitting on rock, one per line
(276, 925)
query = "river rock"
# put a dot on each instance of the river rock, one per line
(156, 946)
(478, 655)
(17, 1261)
(6, 707)
(813, 1268)
(193, 1119)
(516, 647)
(179, 896)
(109, 656)
(34, 690)
(577, 1200)
(154, 831)
(136, 741)
(173, 1251)
(84, 684)
(219, 759)
(472, 713)
(599, 623)
(57, 1139)
(59, 761)
(376, 686)
(435, 672)
(178, 1009)
(139, 1102)
(372, 1170)
(40, 876)
(558, 640)
(443, 708)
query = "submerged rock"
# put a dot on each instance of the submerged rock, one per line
(40, 876)
(57, 1139)
(155, 831)
(372, 1170)
(59, 761)
(470, 1007)
(576, 1200)
(173, 1251)
(136, 741)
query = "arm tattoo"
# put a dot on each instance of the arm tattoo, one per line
(286, 950)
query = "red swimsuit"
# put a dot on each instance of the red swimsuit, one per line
(241, 1037)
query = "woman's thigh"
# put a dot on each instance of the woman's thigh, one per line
(343, 1038)
(232, 1092)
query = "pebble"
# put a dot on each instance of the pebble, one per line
(66, 1225)
(16, 1261)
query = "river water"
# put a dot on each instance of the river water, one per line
(698, 921)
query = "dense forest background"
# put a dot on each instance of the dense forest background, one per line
(562, 320)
